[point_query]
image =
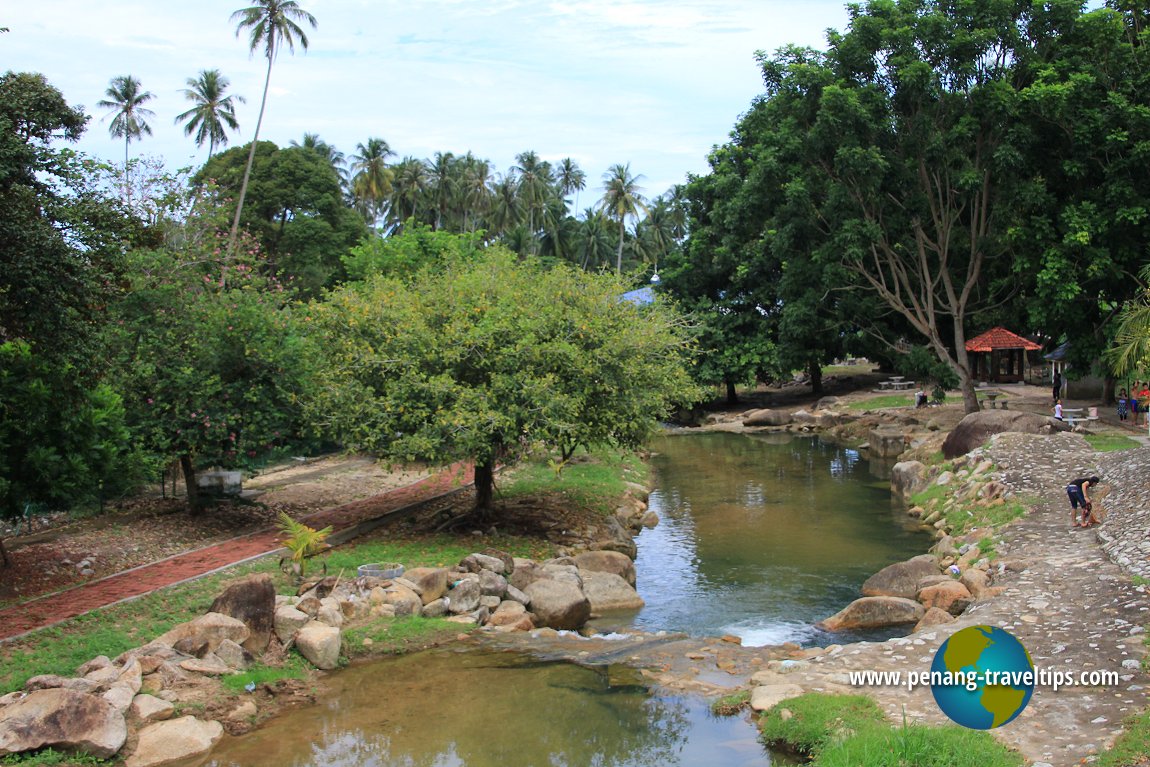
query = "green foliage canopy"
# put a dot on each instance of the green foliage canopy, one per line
(489, 358)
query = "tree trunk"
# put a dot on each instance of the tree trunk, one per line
(190, 485)
(4, 554)
(816, 373)
(484, 484)
(1108, 384)
(251, 153)
(732, 392)
(619, 254)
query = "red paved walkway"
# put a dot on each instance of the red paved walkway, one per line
(54, 608)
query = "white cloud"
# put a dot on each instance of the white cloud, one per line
(652, 82)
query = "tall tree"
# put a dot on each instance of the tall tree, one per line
(213, 113)
(409, 186)
(126, 99)
(570, 178)
(622, 199)
(333, 157)
(371, 179)
(272, 24)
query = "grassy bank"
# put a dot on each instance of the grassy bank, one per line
(850, 730)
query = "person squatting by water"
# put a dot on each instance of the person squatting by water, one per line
(1058, 409)
(1078, 491)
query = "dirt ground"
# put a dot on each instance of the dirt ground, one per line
(149, 528)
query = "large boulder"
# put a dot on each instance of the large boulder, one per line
(908, 478)
(207, 631)
(251, 599)
(767, 696)
(607, 562)
(474, 563)
(464, 596)
(173, 741)
(766, 417)
(900, 579)
(608, 591)
(64, 720)
(289, 620)
(558, 604)
(874, 612)
(320, 644)
(934, 617)
(405, 601)
(976, 428)
(951, 596)
(431, 582)
(887, 441)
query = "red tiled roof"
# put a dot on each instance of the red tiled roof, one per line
(1000, 338)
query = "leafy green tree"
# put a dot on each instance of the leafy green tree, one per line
(489, 358)
(126, 101)
(408, 186)
(213, 113)
(61, 238)
(271, 25)
(296, 210)
(622, 199)
(208, 357)
(416, 247)
(62, 443)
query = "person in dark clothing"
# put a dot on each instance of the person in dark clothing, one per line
(1056, 388)
(1078, 491)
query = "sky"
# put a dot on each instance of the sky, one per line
(652, 83)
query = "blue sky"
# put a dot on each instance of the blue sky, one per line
(651, 83)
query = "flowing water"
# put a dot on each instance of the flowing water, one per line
(760, 536)
(763, 535)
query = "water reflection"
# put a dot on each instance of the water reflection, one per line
(761, 536)
(478, 709)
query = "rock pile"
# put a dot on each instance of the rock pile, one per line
(126, 704)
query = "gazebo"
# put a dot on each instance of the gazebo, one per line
(999, 356)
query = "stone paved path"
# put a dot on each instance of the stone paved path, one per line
(53, 608)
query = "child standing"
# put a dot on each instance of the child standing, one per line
(1123, 404)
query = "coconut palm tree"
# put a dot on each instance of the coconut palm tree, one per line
(535, 182)
(594, 242)
(506, 204)
(272, 24)
(621, 199)
(569, 177)
(408, 188)
(442, 183)
(371, 179)
(212, 113)
(126, 101)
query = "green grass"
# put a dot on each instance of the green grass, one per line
(1132, 746)
(918, 746)
(294, 667)
(594, 481)
(425, 551)
(1106, 443)
(397, 635)
(882, 401)
(51, 758)
(729, 705)
(817, 720)
(850, 730)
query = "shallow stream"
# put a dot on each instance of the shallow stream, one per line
(760, 536)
